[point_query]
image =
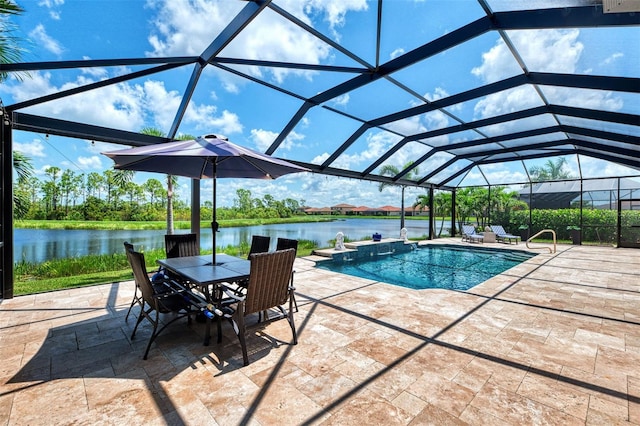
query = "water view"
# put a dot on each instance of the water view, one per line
(38, 245)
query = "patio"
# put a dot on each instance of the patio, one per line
(555, 340)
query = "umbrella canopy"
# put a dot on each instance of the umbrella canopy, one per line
(202, 158)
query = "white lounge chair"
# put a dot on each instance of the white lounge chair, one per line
(469, 234)
(502, 235)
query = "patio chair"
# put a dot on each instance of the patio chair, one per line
(283, 244)
(502, 235)
(259, 244)
(159, 298)
(286, 243)
(469, 234)
(137, 296)
(180, 245)
(268, 288)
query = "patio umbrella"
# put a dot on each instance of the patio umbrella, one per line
(206, 157)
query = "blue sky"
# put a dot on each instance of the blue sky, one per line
(251, 115)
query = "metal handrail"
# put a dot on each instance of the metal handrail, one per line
(539, 233)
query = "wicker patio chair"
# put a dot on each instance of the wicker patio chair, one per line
(259, 244)
(159, 298)
(268, 288)
(137, 295)
(283, 244)
(180, 245)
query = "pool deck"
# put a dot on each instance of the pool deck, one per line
(555, 340)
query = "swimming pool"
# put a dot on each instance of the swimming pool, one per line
(433, 266)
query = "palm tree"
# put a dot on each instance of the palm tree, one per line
(10, 50)
(116, 181)
(171, 181)
(422, 202)
(24, 169)
(551, 170)
(391, 170)
(442, 205)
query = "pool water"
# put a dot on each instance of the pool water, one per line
(442, 266)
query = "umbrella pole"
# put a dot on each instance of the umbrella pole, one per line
(214, 224)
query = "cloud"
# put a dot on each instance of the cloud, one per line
(32, 149)
(99, 72)
(264, 138)
(319, 159)
(42, 38)
(436, 120)
(122, 106)
(341, 101)
(335, 11)
(507, 101)
(541, 50)
(204, 118)
(180, 30)
(613, 58)
(407, 126)
(117, 106)
(324, 191)
(90, 163)
(52, 5)
(595, 167)
(161, 103)
(438, 93)
(377, 143)
(398, 52)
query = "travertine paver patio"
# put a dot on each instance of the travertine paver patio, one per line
(555, 340)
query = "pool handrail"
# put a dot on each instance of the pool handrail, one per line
(542, 248)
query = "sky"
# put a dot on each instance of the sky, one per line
(251, 116)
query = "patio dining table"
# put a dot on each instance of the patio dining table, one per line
(201, 272)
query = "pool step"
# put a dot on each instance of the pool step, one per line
(328, 253)
(356, 249)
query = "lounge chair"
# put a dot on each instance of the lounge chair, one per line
(502, 235)
(469, 234)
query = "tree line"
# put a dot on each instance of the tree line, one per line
(67, 195)
(476, 205)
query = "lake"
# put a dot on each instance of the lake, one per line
(39, 245)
